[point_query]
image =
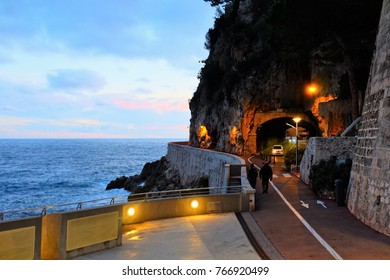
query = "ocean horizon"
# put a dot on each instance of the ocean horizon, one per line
(40, 172)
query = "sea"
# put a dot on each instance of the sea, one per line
(58, 174)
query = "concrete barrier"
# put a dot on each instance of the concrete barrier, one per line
(21, 239)
(141, 211)
(220, 168)
(71, 234)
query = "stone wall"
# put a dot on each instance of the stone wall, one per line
(194, 163)
(369, 187)
(320, 148)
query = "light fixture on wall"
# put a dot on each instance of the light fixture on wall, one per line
(130, 211)
(194, 204)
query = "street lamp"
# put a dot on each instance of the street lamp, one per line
(312, 89)
(296, 120)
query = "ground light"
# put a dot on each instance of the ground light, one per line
(194, 204)
(131, 211)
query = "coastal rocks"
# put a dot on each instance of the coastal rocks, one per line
(155, 176)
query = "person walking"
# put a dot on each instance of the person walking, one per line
(265, 176)
(252, 176)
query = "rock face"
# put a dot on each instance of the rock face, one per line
(369, 187)
(256, 73)
(156, 176)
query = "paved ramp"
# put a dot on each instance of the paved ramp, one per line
(202, 237)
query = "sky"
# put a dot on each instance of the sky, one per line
(98, 68)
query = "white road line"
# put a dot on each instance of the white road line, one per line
(308, 226)
(304, 222)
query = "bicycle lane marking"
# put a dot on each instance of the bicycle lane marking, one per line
(304, 222)
(308, 226)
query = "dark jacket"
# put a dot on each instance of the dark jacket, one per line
(266, 172)
(252, 176)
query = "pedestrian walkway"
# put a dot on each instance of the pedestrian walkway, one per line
(201, 237)
(289, 223)
(299, 226)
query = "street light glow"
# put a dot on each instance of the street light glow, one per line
(312, 89)
(297, 119)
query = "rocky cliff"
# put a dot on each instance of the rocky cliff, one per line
(263, 54)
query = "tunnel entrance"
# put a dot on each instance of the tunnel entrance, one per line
(282, 131)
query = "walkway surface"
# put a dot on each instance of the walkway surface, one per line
(289, 222)
(299, 226)
(202, 237)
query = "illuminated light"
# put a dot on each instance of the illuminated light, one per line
(312, 89)
(135, 238)
(202, 131)
(131, 232)
(194, 204)
(297, 119)
(131, 211)
(234, 133)
(203, 137)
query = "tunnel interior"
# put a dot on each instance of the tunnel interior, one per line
(280, 130)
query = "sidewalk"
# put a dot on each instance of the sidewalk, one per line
(319, 232)
(201, 237)
(323, 231)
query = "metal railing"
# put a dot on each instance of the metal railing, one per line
(171, 194)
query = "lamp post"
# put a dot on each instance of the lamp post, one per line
(296, 120)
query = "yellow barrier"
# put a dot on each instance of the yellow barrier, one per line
(20, 239)
(71, 234)
(83, 232)
(17, 244)
(140, 211)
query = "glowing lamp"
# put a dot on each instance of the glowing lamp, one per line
(297, 119)
(131, 211)
(311, 89)
(194, 204)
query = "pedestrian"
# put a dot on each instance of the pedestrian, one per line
(265, 176)
(252, 175)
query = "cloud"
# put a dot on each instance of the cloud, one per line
(74, 122)
(123, 28)
(75, 79)
(10, 121)
(143, 80)
(153, 105)
(142, 90)
(90, 67)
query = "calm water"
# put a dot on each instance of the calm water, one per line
(36, 173)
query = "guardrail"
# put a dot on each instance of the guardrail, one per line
(44, 210)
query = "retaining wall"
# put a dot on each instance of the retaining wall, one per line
(194, 163)
(319, 148)
(369, 187)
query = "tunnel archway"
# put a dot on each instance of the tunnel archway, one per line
(278, 130)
